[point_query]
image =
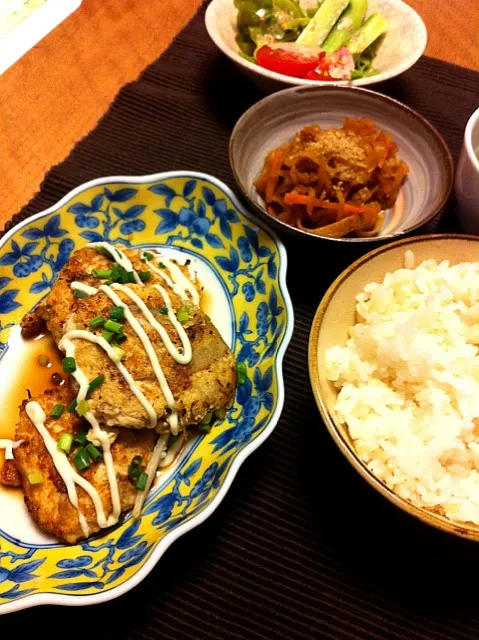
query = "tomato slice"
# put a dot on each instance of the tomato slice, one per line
(321, 72)
(288, 58)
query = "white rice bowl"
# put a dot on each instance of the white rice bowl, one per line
(408, 380)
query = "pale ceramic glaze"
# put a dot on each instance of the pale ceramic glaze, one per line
(337, 312)
(467, 177)
(400, 49)
(278, 117)
(198, 216)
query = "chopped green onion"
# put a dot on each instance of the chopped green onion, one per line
(96, 382)
(115, 327)
(35, 478)
(241, 372)
(162, 265)
(205, 428)
(164, 311)
(97, 322)
(94, 453)
(72, 406)
(141, 482)
(81, 460)
(65, 443)
(69, 365)
(82, 407)
(148, 255)
(107, 335)
(79, 294)
(102, 273)
(172, 439)
(108, 282)
(207, 419)
(183, 315)
(43, 360)
(130, 276)
(145, 275)
(57, 410)
(119, 352)
(220, 414)
(120, 337)
(104, 252)
(117, 313)
(80, 439)
(134, 470)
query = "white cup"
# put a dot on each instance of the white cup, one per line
(467, 177)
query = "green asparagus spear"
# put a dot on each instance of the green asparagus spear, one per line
(374, 27)
(322, 23)
(350, 20)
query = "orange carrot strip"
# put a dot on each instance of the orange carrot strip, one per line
(295, 198)
(273, 178)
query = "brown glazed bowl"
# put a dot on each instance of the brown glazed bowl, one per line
(336, 313)
(277, 118)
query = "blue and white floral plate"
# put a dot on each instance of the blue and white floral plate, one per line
(243, 266)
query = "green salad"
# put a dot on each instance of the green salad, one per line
(331, 41)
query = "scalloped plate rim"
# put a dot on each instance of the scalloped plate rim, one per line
(39, 599)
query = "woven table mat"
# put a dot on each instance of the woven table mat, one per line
(301, 546)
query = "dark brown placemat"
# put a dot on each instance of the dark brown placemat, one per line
(301, 546)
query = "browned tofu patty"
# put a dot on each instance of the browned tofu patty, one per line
(48, 501)
(205, 384)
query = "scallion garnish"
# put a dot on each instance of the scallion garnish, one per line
(79, 294)
(141, 482)
(148, 255)
(57, 410)
(72, 406)
(93, 452)
(120, 354)
(102, 273)
(241, 372)
(97, 322)
(82, 460)
(107, 335)
(117, 313)
(164, 311)
(96, 382)
(134, 470)
(80, 439)
(205, 424)
(145, 275)
(82, 407)
(114, 327)
(130, 276)
(162, 265)
(69, 365)
(66, 442)
(43, 360)
(120, 337)
(35, 478)
(183, 315)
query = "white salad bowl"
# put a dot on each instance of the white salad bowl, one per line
(399, 50)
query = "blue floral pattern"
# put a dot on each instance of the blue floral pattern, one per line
(187, 212)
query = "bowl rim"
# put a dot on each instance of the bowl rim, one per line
(465, 530)
(472, 123)
(373, 95)
(272, 75)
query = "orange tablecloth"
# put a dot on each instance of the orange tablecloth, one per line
(56, 93)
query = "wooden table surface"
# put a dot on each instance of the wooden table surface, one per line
(58, 91)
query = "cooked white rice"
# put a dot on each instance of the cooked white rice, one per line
(409, 384)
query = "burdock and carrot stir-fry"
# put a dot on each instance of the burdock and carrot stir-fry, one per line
(334, 182)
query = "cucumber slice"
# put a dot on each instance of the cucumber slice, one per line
(349, 22)
(323, 21)
(374, 27)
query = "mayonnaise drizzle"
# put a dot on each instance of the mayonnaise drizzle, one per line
(8, 446)
(177, 279)
(119, 257)
(155, 363)
(68, 347)
(85, 288)
(64, 468)
(181, 358)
